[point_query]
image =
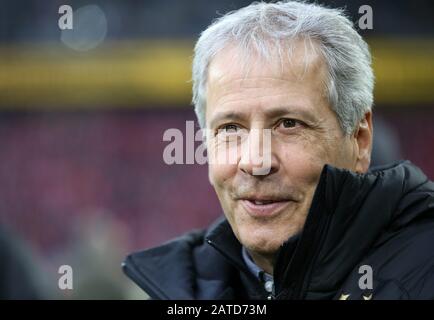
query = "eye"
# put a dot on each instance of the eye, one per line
(288, 123)
(229, 128)
(230, 132)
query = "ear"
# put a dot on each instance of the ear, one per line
(363, 138)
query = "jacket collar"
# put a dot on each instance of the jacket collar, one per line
(350, 213)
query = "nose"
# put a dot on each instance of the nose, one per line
(257, 158)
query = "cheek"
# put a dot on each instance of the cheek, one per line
(222, 164)
(220, 175)
(347, 154)
(302, 163)
(339, 152)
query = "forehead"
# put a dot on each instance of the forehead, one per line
(250, 83)
(293, 62)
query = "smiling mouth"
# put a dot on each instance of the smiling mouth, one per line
(264, 208)
(263, 202)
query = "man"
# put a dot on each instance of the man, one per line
(316, 224)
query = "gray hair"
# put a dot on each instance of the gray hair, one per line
(266, 26)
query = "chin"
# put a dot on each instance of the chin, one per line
(262, 240)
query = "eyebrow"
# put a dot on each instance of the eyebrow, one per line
(291, 111)
(226, 115)
(270, 113)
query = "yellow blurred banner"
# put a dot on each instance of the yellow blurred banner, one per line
(158, 73)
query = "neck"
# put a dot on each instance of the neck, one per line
(265, 262)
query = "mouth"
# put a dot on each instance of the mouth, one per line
(263, 207)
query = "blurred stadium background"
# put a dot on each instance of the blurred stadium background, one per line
(83, 111)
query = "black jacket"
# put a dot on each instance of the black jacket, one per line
(383, 219)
